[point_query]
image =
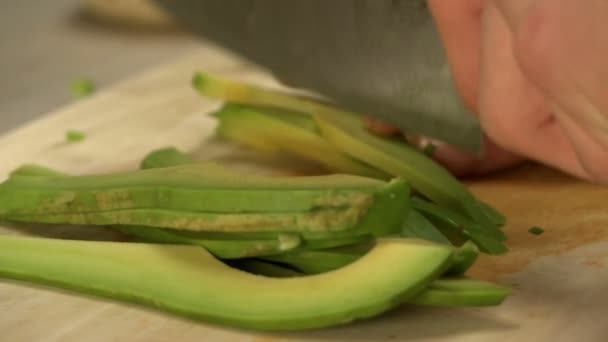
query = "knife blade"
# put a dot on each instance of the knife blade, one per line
(382, 58)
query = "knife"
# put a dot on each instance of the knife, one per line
(383, 58)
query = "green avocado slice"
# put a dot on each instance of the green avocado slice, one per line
(324, 260)
(203, 187)
(444, 292)
(426, 176)
(209, 198)
(230, 245)
(418, 226)
(461, 292)
(265, 130)
(224, 248)
(189, 281)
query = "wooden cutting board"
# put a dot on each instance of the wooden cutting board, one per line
(560, 278)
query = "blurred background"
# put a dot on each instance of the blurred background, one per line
(46, 45)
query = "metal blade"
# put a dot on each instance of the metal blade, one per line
(379, 57)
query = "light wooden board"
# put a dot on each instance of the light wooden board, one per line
(560, 278)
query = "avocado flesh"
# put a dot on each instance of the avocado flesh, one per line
(442, 292)
(221, 248)
(461, 292)
(189, 281)
(319, 261)
(265, 130)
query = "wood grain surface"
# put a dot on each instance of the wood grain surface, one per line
(559, 278)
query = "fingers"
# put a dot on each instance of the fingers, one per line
(462, 164)
(512, 109)
(562, 47)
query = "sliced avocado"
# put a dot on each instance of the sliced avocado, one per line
(443, 292)
(341, 126)
(189, 281)
(347, 132)
(266, 131)
(225, 248)
(376, 213)
(319, 261)
(207, 197)
(324, 260)
(461, 292)
(493, 214)
(461, 226)
(242, 93)
(204, 187)
(418, 226)
(222, 245)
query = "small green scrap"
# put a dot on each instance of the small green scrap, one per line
(536, 230)
(82, 87)
(74, 136)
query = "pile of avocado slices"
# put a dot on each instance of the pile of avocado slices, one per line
(386, 226)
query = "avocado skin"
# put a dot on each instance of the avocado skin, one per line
(189, 281)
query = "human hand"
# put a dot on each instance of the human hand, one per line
(535, 73)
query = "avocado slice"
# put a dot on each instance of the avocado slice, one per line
(461, 291)
(318, 261)
(443, 292)
(265, 130)
(418, 226)
(189, 281)
(461, 226)
(222, 245)
(206, 197)
(227, 247)
(426, 176)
